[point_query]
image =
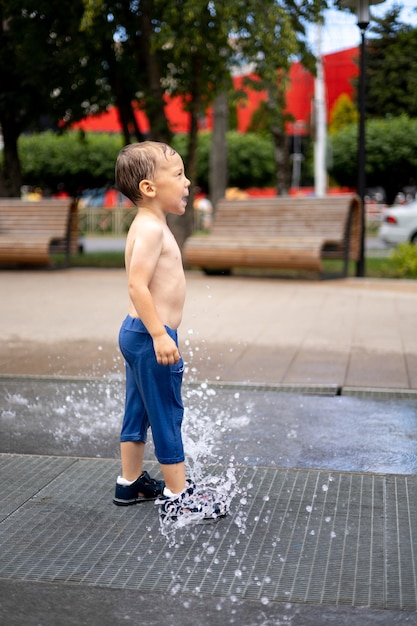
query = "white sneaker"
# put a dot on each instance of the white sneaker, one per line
(193, 503)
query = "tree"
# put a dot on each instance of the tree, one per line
(218, 172)
(391, 154)
(82, 55)
(391, 72)
(101, 23)
(134, 65)
(180, 48)
(45, 74)
(197, 34)
(269, 39)
(342, 114)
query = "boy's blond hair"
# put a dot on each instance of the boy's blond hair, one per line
(137, 162)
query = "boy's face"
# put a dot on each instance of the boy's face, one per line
(171, 184)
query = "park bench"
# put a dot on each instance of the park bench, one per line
(290, 233)
(30, 232)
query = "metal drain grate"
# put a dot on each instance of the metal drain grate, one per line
(328, 538)
(24, 476)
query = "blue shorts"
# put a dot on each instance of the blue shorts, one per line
(153, 393)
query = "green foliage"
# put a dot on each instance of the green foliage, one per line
(250, 159)
(49, 73)
(404, 258)
(391, 67)
(106, 260)
(47, 70)
(375, 268)
(74, 159)
(343, 113)
(79, 160)
(87, 161)
(391, 154)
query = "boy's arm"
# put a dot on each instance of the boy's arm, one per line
(146, 251)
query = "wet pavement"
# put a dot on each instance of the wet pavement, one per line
(322, 528)
(319, 479)
(256, 426)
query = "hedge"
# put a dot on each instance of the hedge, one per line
(391, 154)
(75, 160)
(80, 161)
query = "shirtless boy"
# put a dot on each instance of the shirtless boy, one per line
(151, 175)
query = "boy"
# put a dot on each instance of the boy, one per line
(151, 175)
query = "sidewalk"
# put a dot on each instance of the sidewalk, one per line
(306, 389)
(346, 333)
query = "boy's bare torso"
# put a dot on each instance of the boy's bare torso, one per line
(167, 283)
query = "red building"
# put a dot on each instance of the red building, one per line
(340, 68)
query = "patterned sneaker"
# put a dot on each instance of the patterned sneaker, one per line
(143, 489)
(194, 504)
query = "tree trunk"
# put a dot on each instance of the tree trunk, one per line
(277, 102)
(10, 173)
(282, 161)
(128, 121)
(218, 173)
(182, 226)
(155, 105)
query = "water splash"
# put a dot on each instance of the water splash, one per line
(203, 423)
(82, 418)
(75, 417)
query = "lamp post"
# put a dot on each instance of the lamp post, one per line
(362, 11)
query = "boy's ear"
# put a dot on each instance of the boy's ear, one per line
(147, 188)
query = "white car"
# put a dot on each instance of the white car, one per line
(399, 224)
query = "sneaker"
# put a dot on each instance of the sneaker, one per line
(192, 504)
(143, 489)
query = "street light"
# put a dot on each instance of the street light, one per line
(362, 11)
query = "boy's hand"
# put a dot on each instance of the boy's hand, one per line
(166, 350)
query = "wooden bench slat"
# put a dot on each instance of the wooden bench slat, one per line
(28, 229)
(282, 233)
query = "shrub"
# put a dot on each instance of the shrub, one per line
(74, 159)
(391, 154)
(82, 161)
(404, 258)
(250, 159)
